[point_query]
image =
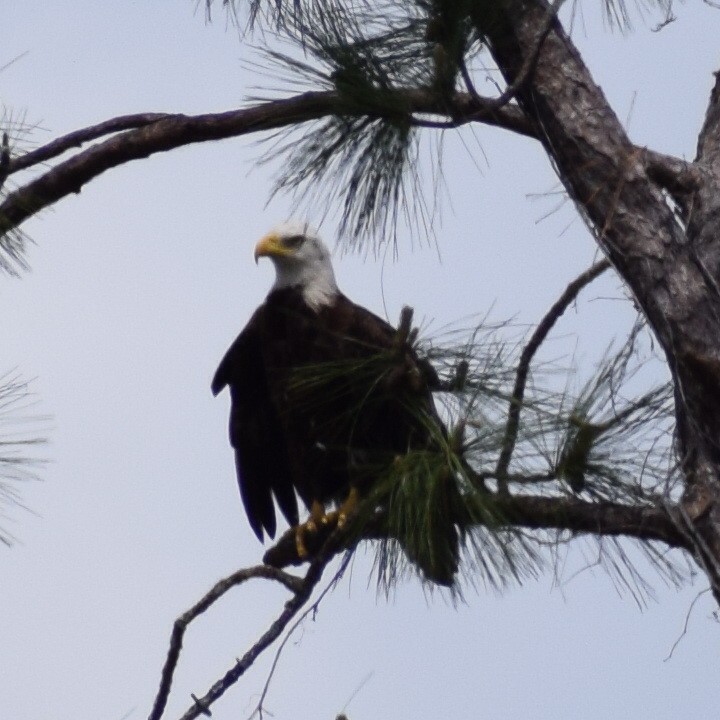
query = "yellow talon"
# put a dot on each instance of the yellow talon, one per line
(317, 517)
(348, 507)
(300, 542)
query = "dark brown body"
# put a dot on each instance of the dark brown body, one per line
(320, 401)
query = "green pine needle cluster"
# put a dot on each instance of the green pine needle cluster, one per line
(616, 447)
(364, 162)
(435, 511)
(364, 159)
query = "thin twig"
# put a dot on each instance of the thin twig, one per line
(312, 609)
(523, 369)
(13, 61)
(528, 64)
(292, 607)
(687, 621)
(291, 582)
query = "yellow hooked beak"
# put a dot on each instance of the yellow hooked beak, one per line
(270, 246)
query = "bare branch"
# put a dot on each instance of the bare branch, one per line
(599, 518)
(310, 610)
(302, 592)
(292, 583)
(538, 337)
(79, 137)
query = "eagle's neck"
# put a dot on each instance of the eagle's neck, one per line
(316, 282)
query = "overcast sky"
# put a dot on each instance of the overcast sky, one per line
(138, 285)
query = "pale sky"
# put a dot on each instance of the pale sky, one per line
(137, 287)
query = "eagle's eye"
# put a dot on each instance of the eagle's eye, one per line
(294, 241)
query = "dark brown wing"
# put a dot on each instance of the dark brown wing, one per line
(357, 324)
(363, 334)
(255, 432)
(376, 406)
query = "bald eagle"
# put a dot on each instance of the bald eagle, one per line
(323, 400)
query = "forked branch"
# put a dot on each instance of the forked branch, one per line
(536, 340)
(301, 588)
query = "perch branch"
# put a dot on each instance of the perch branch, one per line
(644, 522)
(658, 523)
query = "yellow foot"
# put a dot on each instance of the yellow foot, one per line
(348, 507)
(302, 550)
(309, 527)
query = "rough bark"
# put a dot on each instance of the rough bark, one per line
(669, 262)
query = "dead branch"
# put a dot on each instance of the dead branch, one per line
(302, 588)
(312, 610)
(538, 337)
(291, 582)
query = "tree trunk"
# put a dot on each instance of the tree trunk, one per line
(665, 245)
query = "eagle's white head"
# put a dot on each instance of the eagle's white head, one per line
(301, 260)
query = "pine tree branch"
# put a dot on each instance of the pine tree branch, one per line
(658, 522)
(311, 610)
(312, 577)
(147, 134)
(538, 337)
(80, 137)
(301, 588)
(670, 267)
(642, 522)
(295, 584)
(646, 523)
